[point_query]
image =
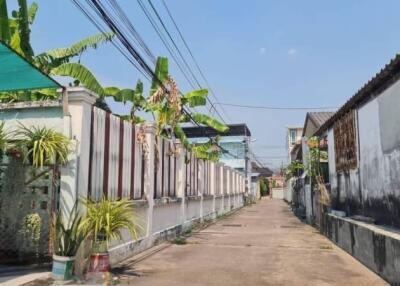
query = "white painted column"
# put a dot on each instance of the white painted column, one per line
(222, 185)
(150, 131)
(212, 187)
(181, 180)
(77, 125)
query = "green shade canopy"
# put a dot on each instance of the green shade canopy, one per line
(16, 73)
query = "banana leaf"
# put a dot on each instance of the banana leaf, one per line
(59, 56)
(161, 73)
(195, 98)
(80, 73)
(210, 122)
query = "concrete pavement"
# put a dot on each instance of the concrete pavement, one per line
(263, 244)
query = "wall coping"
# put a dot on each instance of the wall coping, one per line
(81, 94)
(383, 230)
(30, 104)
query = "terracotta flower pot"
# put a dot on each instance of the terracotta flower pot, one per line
(99, 262)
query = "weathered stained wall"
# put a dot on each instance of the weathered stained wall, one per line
(375, 247)
(21, 195)
(373, 189)
(380, 157)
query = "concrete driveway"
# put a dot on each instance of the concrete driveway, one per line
(263, 244)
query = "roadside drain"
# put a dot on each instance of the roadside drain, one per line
(232, 225)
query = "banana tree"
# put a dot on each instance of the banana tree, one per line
(167, 105)
(58, 62)
(134, 96)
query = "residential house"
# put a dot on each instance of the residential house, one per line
(234, 144)
(298, 190)
(258, 173)
(364, 174)
(293, 138)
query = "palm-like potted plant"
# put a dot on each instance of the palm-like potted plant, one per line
(42, 145)
(105, 220)
(68, 236)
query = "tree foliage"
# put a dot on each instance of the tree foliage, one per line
(294, 169)
(167, 105)
(106, 219)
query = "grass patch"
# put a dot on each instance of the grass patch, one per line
(180, 240)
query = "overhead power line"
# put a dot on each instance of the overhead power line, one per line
(127, 49)
(174, 49)
(163, 39)
(276, 107)
(194, 59)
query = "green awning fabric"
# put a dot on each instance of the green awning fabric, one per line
(16, 73)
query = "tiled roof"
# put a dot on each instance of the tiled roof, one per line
(373, 88)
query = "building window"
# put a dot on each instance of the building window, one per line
(345, 142)
(293, 135)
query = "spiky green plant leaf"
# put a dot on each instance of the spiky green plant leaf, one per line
(210, 122)
(41, 145)
(68, 235)
(81, 73)
(107, 218)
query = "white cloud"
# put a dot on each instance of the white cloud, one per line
(292, 52)
(262, 51)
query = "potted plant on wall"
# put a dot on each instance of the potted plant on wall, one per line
(68, 236)
(105, 221)
(42, 145)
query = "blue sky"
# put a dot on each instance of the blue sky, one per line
(275, 53)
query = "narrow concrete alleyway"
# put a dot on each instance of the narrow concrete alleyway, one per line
(259, 245)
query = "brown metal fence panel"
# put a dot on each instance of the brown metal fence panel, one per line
(115, 170)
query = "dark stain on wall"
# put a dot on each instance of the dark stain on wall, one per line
(385, 210)
(353, 240)
(379, 242)
(336, 231)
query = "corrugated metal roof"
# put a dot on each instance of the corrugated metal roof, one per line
(317, 118)
(373, 88)
(320, 118)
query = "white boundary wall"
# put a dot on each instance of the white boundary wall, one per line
(202, 190)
